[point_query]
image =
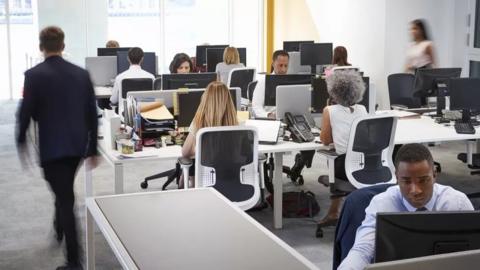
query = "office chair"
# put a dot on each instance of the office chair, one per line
(251, 88)
(351, 217)
(241, 77)
(226, 158)
(368, 160)
(157, 83)
(401, 89)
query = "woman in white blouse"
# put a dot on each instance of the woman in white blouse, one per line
(420, 54)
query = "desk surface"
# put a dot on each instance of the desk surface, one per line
(190, 229)
(103, 91)
(424, 129)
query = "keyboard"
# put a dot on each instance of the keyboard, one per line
(464, 128)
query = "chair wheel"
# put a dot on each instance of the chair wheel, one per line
(319, 233)
(144, 185)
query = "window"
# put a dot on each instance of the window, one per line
(189, 23)
(475, 69)
(23, 37)
(4, 75)
(246, 23)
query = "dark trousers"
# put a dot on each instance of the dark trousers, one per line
(60, 174)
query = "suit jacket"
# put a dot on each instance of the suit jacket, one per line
(60, 97)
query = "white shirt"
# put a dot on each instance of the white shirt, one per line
(258, 99)
(223, 70)
(417, 54)
(341, 119)
(444, 198)
(133, 72)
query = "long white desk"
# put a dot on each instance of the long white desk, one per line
(185, 229)
(174, 152)
(103, 91)
(425, 130)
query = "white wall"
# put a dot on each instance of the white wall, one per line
(360, 27)
(376, 33)
(84, 24)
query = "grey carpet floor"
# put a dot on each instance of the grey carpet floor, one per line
(26, 205)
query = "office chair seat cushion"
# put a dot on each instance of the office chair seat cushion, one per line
(234, 190)
(371, 177)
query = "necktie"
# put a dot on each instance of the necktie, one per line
(421, 209)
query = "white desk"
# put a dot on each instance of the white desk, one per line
(185, 229)
(174, 152)
(103, 91)
(425, 130)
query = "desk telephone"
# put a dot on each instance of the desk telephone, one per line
(299, 128)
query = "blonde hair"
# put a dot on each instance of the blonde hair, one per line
(231, 56)
(112, 44)
(216, 108)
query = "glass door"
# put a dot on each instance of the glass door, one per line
(473, 58)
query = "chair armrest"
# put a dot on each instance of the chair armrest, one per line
(185, 162)
(262, 157)
(398, 107)
(329, 153)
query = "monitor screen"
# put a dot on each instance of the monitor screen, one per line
(149, 62)
(272, 81)
(366, 96)
(465, 94)
(416, 234)
(111, 51)
(316, 54)
(294, 46)
(188, 103)
(201, 53)
(319, 95)
(190, 80)
(427, 79)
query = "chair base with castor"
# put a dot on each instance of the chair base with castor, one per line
(173, 174)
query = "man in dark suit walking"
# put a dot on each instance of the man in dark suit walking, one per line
(59, 96)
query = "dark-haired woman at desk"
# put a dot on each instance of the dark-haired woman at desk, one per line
(216, 109)
(181, 64)
(339, 59)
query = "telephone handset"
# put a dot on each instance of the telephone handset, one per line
(298, 127)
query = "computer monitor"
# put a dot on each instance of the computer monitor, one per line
(149, 62)
(111, 51)
(294, 46)
(313, 54)
(201, 53)
(190, 80)
(320, 94)
(102, 69)
(415, 234)
(272, 81)
(465, 96)
(215, 56)
(366, 96)
(188, 103)
(434, 82)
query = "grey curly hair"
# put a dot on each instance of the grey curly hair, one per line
(346, 87)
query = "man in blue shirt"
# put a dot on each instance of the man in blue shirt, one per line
(416, 191)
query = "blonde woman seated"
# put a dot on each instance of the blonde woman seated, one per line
(231, 60)
(216, 109)
(345, 88)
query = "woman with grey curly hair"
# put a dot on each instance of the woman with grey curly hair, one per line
(345, 88)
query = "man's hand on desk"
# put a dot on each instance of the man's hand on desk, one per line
(92, 162)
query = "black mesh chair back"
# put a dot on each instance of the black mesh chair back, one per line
(137, 84)
(226, 159)
(368, 159)
(251, 88)
(241, 77)
(401, 89)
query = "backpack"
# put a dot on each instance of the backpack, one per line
(298, 204)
